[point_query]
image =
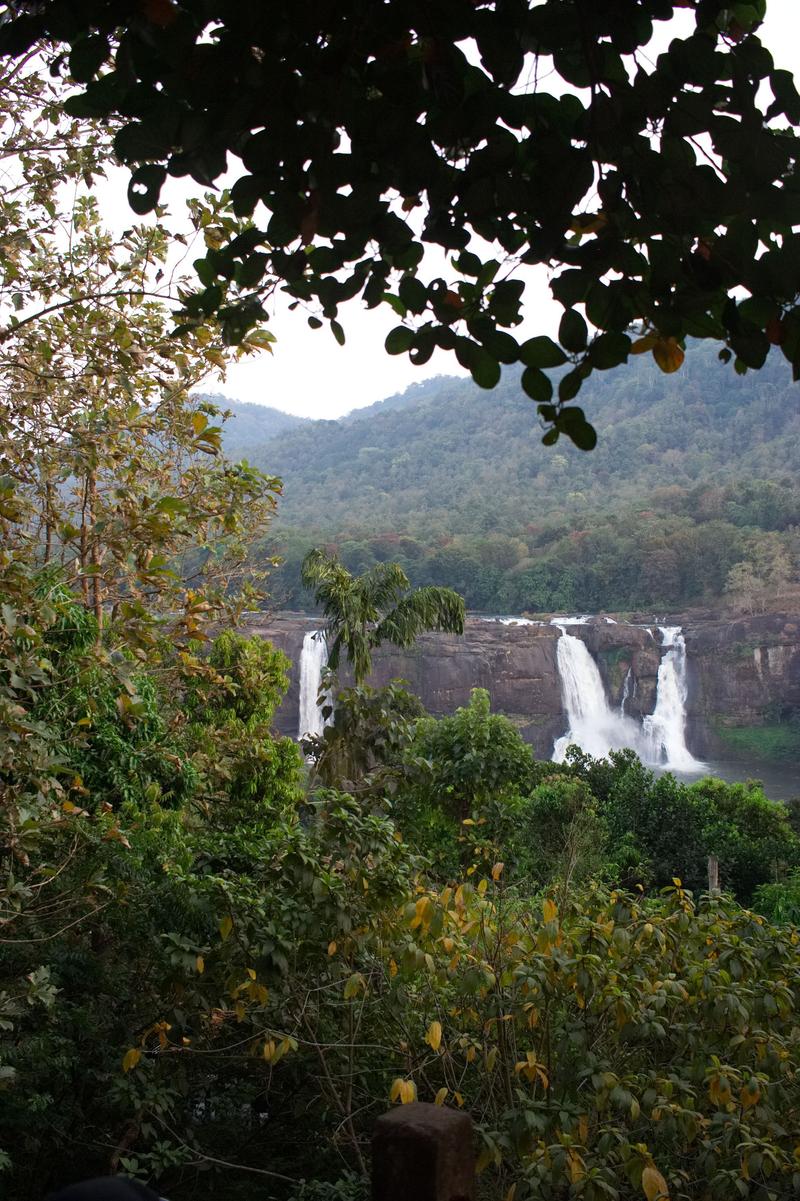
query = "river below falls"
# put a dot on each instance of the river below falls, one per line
(781, 781)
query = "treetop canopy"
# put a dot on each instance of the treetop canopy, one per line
(661, 193)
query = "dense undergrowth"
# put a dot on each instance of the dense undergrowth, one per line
(220, 963)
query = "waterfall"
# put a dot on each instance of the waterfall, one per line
(597, 728)
(626, 690)
(664, 730)
(313, 660)
(593, 725)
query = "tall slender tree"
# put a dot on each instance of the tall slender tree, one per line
(361, 612)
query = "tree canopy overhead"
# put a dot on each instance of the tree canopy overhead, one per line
(660, 193)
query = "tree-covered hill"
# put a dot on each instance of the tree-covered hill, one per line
(250, 424)
(689, 470)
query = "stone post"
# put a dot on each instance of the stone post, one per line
(713, 873)
(423, 1152)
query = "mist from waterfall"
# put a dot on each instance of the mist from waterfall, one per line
(595, 727)
(313, 660)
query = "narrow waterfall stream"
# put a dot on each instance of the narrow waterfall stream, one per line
(660, 740)
(626, 689)
(313, 660)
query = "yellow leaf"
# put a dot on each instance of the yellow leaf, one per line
(643, 344)
(269, 1050)
(331, 948)
(497, 871)
(511, 1194)
(491, 1059)
(468, 821)
(653, 1183)
(353, 986)
(131, 1059)
(440, 1097)
(403, 1091)
(434, 1035)
(750, 1094)
(459, 1100)
(484, 884)
(577, 1168)
(583, 1129)
(549, 910)
(483, 1160)
(668, 354)
(251, 973)
(225, 926)
(392, 968)
(200, 964)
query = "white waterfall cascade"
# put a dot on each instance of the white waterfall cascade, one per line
(593, 725)
(597, 728)
(313, 660)
(664, 731)
(513, 621)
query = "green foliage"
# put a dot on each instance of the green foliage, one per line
(656, 517)
(647, 241)
(772, 742)
(670, 829)
(251, 774)
(367, 732)
(614, 1048)
(361, 612)
(245, 978)
(472, 756)
(252, 678)
(780, 902)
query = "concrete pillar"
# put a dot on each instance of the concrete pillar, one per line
(423, 1152)
(713, 873)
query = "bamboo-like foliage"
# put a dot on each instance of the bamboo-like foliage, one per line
(362, 612)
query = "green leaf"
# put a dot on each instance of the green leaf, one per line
(609, 350)
(541, 352)
(573, 423)
(482, 366)
(399, 340)
(536, 384)
(144, 188)
(572, 331)
(87, 56)
(570, 385)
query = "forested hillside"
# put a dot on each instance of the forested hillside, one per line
(249, 423)
(692, 478)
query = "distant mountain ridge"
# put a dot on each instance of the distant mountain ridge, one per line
(250, 424)
(694, 474)
(419, 455)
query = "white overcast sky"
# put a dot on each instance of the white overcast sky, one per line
(311, 375)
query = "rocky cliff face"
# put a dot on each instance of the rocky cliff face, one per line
(742, 672)
(516, 664)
